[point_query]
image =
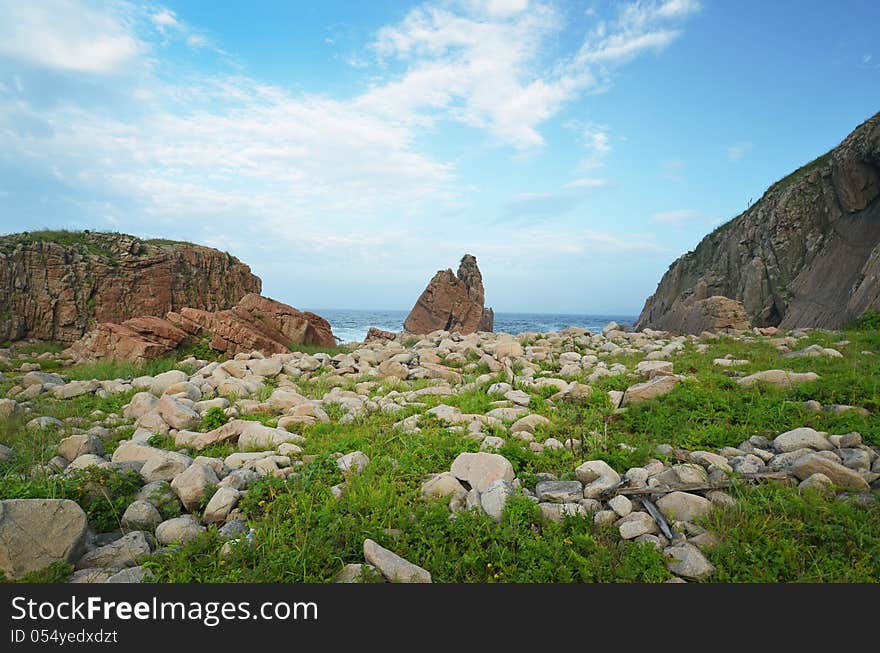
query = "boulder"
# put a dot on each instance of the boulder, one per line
(636, 524)
(817, 463)
(778, 378)
(192, 484)
(655, 387)
(443, 485)
(529, 423)
(481, 469)
(225, 499)
(683, 506)
(799, 438)
(375, 334)
(394, 568)
(74, 446)
(141, 404)
(141, 516)
(34, 533)
(128, 550)
(494, 498)
(353, 463)
(177, 414)
(255, 323)
(559, 491)
(597, 477)
(178, 530)
(688, 561)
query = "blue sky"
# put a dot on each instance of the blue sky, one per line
(348, 150)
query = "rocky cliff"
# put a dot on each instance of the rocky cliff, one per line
(57, 285)
(807, 254)
(452, 302)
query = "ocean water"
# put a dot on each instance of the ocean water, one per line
(352, 325)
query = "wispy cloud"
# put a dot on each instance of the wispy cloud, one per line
(738, 151)
(639, 27)
(587, 182)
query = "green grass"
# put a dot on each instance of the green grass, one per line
(32, 350)
(102, 493)
(90, 241)
(166, 241)
(780, 535)
(57, 572)
(472, 401)
(112, 369)
(868, 321)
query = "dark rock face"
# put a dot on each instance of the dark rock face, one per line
(806, 255)
(255, 323)
(58, 286)
(452, 302)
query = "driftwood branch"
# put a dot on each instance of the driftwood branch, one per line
(665, 528)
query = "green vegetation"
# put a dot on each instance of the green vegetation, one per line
(166, 241)
(869, 321)
(816, 164)
(113, 369)
(32, 350)
(90, 242)
(202, 350)
(57, 572)
(303, 533)
(102, 493)
(213, 418)
(780, 535)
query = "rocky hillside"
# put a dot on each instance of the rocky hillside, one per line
(807, 254)
(56, 285)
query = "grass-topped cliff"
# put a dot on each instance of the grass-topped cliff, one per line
(56, 284)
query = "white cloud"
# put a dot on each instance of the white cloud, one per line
(67, 35)
(484, 63)
(738, 151)
(169, 25)
(165, 18)
(587, 182)
(476, 66)
(639, 27)
(501, 8)
(685, 217)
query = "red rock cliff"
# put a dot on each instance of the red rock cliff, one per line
(58, 285)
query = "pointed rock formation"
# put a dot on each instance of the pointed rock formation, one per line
(452, 302)
(807, 254)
